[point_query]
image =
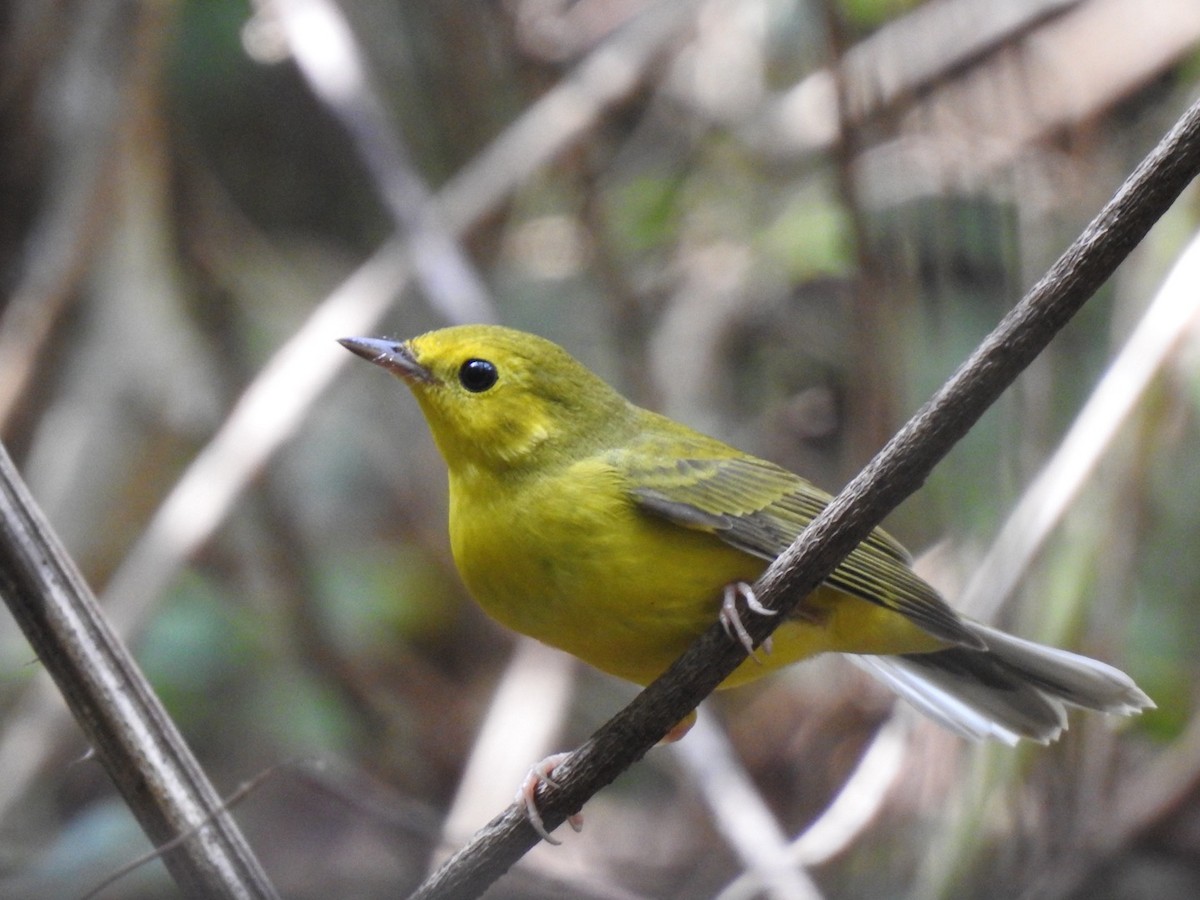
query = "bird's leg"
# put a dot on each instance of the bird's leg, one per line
(731, 619)
(527, 796)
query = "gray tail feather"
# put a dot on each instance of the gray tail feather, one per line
(1014, 689)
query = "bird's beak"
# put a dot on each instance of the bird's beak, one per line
(397, 358)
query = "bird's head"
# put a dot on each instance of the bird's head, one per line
(500, 399)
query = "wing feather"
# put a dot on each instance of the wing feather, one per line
(760, 508)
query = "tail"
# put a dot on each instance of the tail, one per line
(1014, 689)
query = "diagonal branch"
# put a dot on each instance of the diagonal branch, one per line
(898, 470)
(126, 725)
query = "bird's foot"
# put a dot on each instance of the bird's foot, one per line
(731, 619)
(527, 796)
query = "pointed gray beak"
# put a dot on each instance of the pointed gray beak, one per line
(396, 357)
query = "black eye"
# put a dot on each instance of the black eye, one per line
(477, 375)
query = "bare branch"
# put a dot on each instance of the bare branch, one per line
(131, 733)
(1160, 331)
(898, 470)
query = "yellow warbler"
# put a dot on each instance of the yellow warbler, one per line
(618, 535)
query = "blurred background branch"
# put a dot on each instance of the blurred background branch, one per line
(128, 730)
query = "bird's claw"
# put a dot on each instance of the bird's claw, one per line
(527, 796)
(731, 619)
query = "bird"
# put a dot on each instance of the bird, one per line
(619, 535)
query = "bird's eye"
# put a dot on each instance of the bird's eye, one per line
(477, 375)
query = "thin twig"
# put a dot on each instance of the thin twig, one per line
(1161, 329)
(898, 470)
(132, 735)
(243, 790)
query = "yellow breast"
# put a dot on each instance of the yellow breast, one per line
(568, 559)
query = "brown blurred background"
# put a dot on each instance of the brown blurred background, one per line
(782, 222)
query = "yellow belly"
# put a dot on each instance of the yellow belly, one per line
(584, 570)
